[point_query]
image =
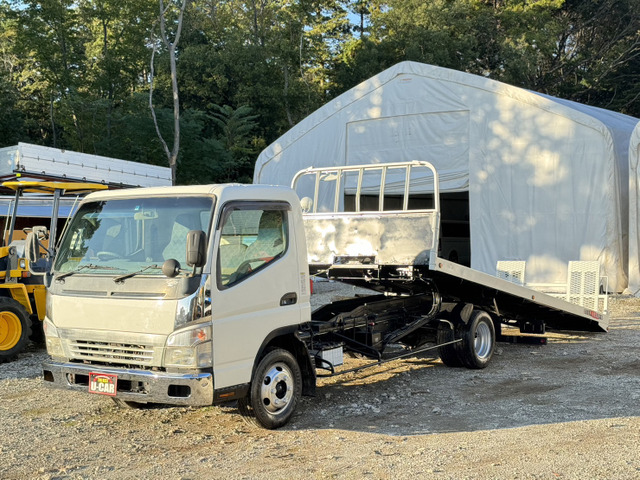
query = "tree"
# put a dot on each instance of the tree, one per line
(12, 119)
(171, 46)
(361, 9)
(49, 43)
(583, 51)
(117, 61)
(598, 54)
(236, 127)
(77, 63)
(274, 56)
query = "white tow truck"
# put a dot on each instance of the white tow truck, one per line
(200, 295)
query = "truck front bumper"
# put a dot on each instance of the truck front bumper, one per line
(142, 386)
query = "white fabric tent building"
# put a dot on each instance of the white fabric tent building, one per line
(547, 179)
(634, 212)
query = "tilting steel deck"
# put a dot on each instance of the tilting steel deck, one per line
(395, 251)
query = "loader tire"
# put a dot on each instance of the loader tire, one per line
(478, 340)
(275, 390)
(15, 329)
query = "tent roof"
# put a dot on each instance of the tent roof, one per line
(607, 122)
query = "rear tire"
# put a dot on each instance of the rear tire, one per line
(478, 340)
(275, 390)
(15, 329)
(448, 353)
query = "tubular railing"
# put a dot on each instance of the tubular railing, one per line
(337, 174)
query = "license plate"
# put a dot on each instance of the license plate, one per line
(103, 383)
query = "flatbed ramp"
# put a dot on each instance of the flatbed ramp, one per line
(354, 236)
(512, 301)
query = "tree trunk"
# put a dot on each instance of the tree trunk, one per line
(172, 156)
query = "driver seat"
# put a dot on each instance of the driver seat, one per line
(270, 240)
(177, 246)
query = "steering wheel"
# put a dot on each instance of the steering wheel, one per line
(245, 267)
(243, 270)
(105, 255)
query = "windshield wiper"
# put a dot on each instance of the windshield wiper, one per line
(122, 278)
(83, 267)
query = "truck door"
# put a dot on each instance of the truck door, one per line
(256, 287)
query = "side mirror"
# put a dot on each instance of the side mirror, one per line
(31, 247)
(196, 245)
(37, 265)
(41, 232)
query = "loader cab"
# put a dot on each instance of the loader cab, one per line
(34, 238)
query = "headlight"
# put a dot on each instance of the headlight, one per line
(53, 342)
(190, 348)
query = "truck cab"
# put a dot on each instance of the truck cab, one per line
(174, 294)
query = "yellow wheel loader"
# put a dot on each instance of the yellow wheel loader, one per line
(23, 264)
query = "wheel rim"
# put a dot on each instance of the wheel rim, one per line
(482, 341)
(277, 388)
(10, 330)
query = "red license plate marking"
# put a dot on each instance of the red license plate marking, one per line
(103, 383)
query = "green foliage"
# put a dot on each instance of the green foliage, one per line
(75, 73)
(235, 127)
(12, 119)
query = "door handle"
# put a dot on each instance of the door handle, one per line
(289, 299)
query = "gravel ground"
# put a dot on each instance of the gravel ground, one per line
(568, 409)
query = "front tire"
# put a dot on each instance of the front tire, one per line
(37, 333)
(15, 329)
(275, 390)
(478, 340)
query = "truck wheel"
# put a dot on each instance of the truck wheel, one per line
(15, 328)
(448, 353)
(275, 390)
(37, 333)
(478, 340)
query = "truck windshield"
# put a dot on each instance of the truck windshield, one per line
(120, 236)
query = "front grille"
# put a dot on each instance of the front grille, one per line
(104, 352)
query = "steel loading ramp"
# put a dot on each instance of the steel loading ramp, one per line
(512, 301)
(534, 311)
